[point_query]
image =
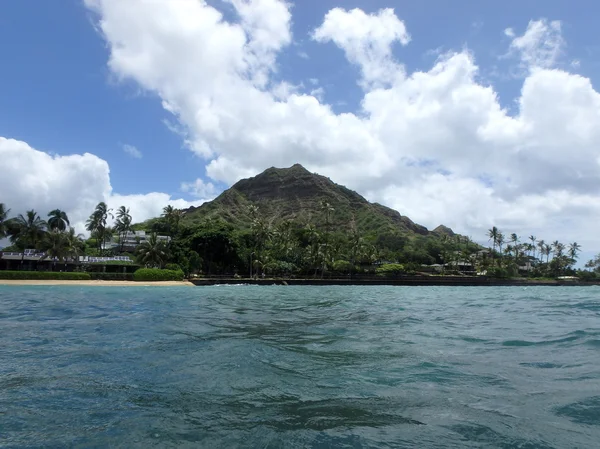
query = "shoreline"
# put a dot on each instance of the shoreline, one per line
(97, 283)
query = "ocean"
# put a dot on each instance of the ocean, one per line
(300, 367)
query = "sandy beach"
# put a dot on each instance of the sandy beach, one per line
(99, 283)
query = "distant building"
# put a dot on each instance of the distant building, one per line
(131, 240)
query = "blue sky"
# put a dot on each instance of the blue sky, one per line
(59, 95)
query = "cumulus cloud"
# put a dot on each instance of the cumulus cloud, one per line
(33, 179)
(540, 46)
(132, 151)
(366, 40)
(436, 144)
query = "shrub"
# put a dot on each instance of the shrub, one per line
(43, 275)
(173, 267)
(111, 276)
(390, 269)
(342, 266)
(155, 275)
(498, 272)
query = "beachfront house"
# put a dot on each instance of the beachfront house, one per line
(131, 240)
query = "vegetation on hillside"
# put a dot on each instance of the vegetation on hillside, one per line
(291, 222)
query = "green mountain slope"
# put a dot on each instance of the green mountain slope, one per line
(296, 194)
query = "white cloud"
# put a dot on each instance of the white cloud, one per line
(200, 189)
(132, 151)
(540, 46)
(366, 40)
(33, 179)
(437, 144)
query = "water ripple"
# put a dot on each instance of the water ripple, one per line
(317, 367)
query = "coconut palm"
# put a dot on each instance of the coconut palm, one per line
(27, 231)
(541, 244)
(558, 248)
(153, 252)
(123, 224)
(327, 209)
(500, 241)
(533, 240)
(172, 216)
(97, 223)
(493, 235)
(547, 251)
(58, 220)
(73, 244)
(574, 248)
(55, 245)
(3, 219)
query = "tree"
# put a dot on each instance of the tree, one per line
(500, 241)
(574, 249)
(55, 245)
(328, 210)
(515, 239)
(58, 220)
(493, 236)
(3, 219)
(123, 224)
(547, 251)
(533, 239)
(73, 244)
(153, 252)
(173, 217)
(97, 223)
(541, 244)
(27, 231)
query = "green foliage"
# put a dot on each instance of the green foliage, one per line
(390, 269)
(588, 275)
(279, 268)
(498, 272)
(43, 275)
(155, 274)
(342, 266)
(111, 276)
(173, 267)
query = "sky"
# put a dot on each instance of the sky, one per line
(467, 114)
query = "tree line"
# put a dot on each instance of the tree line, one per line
(509, 253)
(214, 246)
(55, 236)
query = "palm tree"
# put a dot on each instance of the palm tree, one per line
(173, 217)
(500, 241)
(58, 220)
(493, 235)
(533, 239)
(153, 252)
(574, 248)
(559, 249)
(123, 224)
(3, 219)
(547, 251)
(27, 230)
(541, 245)
(54, 245)
(97, 223)
(73, 244)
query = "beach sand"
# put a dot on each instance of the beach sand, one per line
(99, 283)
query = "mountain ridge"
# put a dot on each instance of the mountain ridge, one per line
(296, 194)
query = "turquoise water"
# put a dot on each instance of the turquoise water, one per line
(316, 367)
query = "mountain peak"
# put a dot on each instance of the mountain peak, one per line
(294, 193)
